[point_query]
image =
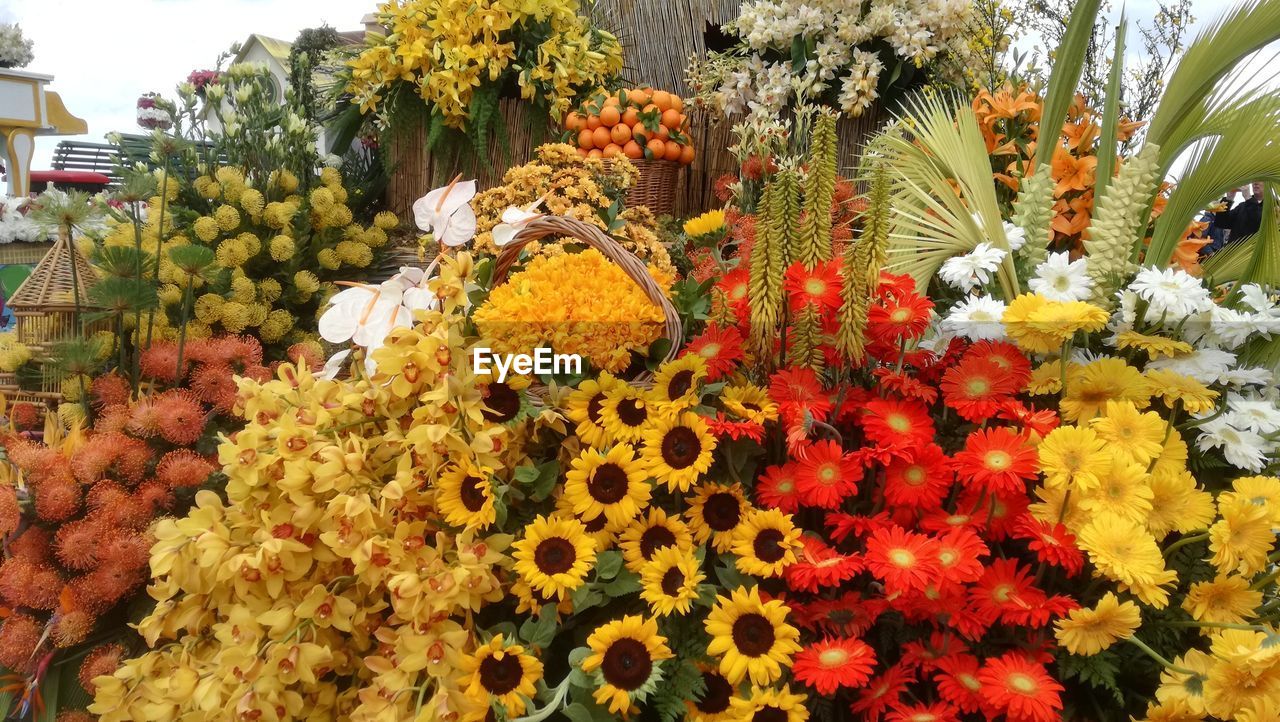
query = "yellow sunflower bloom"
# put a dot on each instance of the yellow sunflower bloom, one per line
(669, 582)
(642, 539)
(779, 705)
(555, 555)
(584, 407)
(715, 511)
(627, 413)
(716, 703)
(500, 673)
(765, 542)
(675, 386)
(678, 450)
(465, 498)
(1089, 631)
(612, 483)
(625, 655)
(751, 637)
(750, 403)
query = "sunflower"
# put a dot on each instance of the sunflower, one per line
(465, 498)
(678, 450)
(584, 408)
(627, 413)
(716, 702)
(531, 601)
(749, 402)
(751, 637)
(647, 534)
(772, 705)
(504, 400)
(669, 582)
(1139, 436)
(555, 555)
(502, 673)
(625, 657)
(1089, 631)
(765, 542)
(715, 511)
(611, 483)
(676, 384)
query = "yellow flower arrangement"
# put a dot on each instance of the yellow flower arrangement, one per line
(13, 355)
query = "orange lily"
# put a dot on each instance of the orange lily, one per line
(1072, 173)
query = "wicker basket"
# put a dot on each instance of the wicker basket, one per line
(544, 226)
(655, 188)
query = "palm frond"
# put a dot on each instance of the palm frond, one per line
(1111, 114)
(1068, 63)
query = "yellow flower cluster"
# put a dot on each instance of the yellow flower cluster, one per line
(13, 355)
(579, 303)
(1041, 325)
(447, 50)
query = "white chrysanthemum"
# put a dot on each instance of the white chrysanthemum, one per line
(1242, 448)
(973, 269)
(1206, 365)
(1061, 279)
(976, 318)
(1171, 294)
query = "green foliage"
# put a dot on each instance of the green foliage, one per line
(1107, 148)
(1069, 61)
(540, 479)
(1098, 671)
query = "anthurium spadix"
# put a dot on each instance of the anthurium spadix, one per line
(514, 219)
(446, 213)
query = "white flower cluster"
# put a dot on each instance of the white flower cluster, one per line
(14, 225)
(155, 117)
(15, 50)
(762, 76)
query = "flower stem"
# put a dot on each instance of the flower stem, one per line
(1185, 541)
(1157, 657)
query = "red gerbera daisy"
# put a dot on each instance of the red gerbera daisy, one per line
(720, 347)
(895, 319)
(976, 388)
(921, 481)
(847, 615)
(970, 515)
(1004, 356)
(735, 286)
(905, 385)
(895, 284)
(957, 682)
(1051, 543)
(778, 488)
(901, 559)
(1006, 593)
(894, 421)
(960, 553)
(843, 526)
(826, 476)
(819, 285)
(883, 454)
(724, 428)
(831, 664)
(797, 390)
(1003, 511)
(882, 693)
(937, 712)
(926, 655)
(818, 566)
(1039, 423)
(1021, 689)
(997, 460)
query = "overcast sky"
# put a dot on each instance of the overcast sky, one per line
(105, 53)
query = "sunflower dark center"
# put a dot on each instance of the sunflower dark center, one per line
(722, 512)
(770, 714)
(608, 484)
(753, 635)
(672, 581)
(718, 694)
(472, 494)
(631, 412)
(681, 447)
(503, 404)
(768, 546)
(655, 538)
(500, 676)
(555, 555)
(627, 664)
(596, 524)
(751, 407)
(679, 384)
(594, 406)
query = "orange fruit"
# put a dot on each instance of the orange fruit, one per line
(586, 139)
(595, 153)
(686, 154)
(630, 116)
(593, 122)
(663, 132)
(574, 121)
(611, 102)
(677, 103)
(662, 99)
(600, 137)
(638, 98)
(657, 148)
(609, 116)
(612, 150)
(673, 151)
(671, 118)
(620, 133)
(582, 152)
(651, 109)
(633, 150)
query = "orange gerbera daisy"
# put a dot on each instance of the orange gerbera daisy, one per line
(1021, 689)
(998, 460)
(831, 664)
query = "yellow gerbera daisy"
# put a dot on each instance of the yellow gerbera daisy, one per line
(1177, 504)
(1241, 540)
(1046, 378)
(1225, 600)
(715, 511)
(775, 705)
(1153, 346)
(675, 386)
(612, 483)
(465, 498)
(625, 655)
(1261, 490)
(1017, 322)
(765, 542)
(751, 637)
(1089, 631)
(750, 403)
(1186, 687)
(649, 533)
(1074, 456)
(1135, 434)
(1173, 387)
(585, 405)
(1092, 385)
(678, 450)
(627, 413)
(500, 673)
(555, 555)
(1063, 319)
(669, 582)
(1121, 549)
(1125, 490)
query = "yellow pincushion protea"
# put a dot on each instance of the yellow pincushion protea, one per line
(575, 304)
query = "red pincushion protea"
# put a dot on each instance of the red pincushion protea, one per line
(76, 544)
(57, 499)
(19, 635)
(826, 475)
(109, 389)
(1020, 689)
(1051, 543)
(100, 662)
(721, 348)
(180, 417)
(997, 460)
(10, 512)
(183, 468)
(831, 664)
(213, 384)
(24, 416)
(160, 363)
(903, 560)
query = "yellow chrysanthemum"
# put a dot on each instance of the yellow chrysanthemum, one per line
(1089, 631)
(1136, 435)
(555, 555)
(1176, 388)
(669, 582)
(500, 673)
(751, 637)
(612, 483)
(715, 511)
(625, 655)
(750, 403)
(678, 450)
(675, 386)
(765, 542)
(586, 404)
(1090, 387)
(1074, 456)
(1225, 600)
(1153, 346)
(465, 498)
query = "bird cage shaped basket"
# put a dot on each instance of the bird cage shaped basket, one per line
(46, 305)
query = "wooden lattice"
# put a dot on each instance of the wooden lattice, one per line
(44, 306)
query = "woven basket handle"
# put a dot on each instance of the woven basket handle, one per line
(544, 226)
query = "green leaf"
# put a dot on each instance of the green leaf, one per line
(1068, 62)
(49, 692)
(585, 597)
(541, 478)
(729, 576)
(577, 655)
(627, 582)
(540, 630)
(578, 712)
(1111, 114)
(608, 564)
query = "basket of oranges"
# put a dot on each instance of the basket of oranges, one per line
(645, 125)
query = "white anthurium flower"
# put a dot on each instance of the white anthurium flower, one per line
(365, 314)
(333, 365)
(514, 219)
(446, 213)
